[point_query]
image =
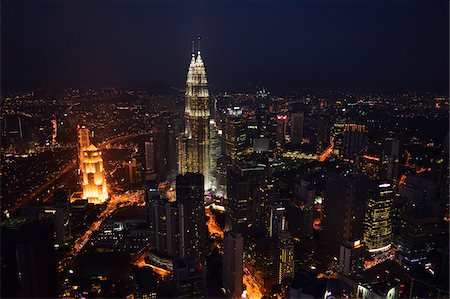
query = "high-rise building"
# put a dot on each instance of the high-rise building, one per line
(297, 120)
(286, 258)
(277, 223)
(354, 140)
(189, 279)
(28, 259)
(195, 157)
(93, 176)
(344, 203)
(59, 212)
(215, 151)
(390, 158)
(378, 217)
(131, 174)
(351, 257)
(193, 231)
(323, 134)
(150, 156)
(233, 264)
(83, 137)
(281, 129)
(242, 185)
(235, 135)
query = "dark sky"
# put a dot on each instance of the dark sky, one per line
(312, 45)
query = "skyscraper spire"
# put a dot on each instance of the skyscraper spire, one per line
(196, 155)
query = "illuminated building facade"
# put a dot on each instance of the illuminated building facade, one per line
(93, 175)
(194, 145)
(235, 135)
(378, 218)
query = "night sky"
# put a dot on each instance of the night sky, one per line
(302, 45)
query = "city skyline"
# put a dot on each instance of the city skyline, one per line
(238, 192)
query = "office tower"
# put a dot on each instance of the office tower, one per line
(165, 226)
(190, 193)
(189, 279)
(150, 156)
(390, 158)
(28, 259)
(235, 135)
(93, 176)
(182, 145)
(286, 258)
(300, 213)
(195, 157)
(243, 182)
(262, 112)
(277, 223)
(297, 120)
(419, 190)
(354, 140)
(351, 257)
(58, 211)
(323, 133)
(83, 143)
(345, 198)
(215, 151)
(337, 133)
(281, 129)
(233, 264)
(131, 171)
(160, 141)
(83, 138)
(151, 196)
(418, 233)
(171, 149)
(378, 218)
(266, 194)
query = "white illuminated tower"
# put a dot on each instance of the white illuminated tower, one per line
(194, 154)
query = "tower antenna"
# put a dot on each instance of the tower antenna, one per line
(193, 47)
(198, 41)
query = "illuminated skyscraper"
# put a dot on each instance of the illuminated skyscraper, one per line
(235, 135)
(93, 175)
(196, 157)
(378, 219)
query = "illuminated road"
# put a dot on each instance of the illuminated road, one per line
(140, 261)
(253, 289)
(326, 153)
(126, 199)
(69, 167)
(213, 227)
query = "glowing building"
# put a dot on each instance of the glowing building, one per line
(194, 145)
(378, 219)
(93, 175)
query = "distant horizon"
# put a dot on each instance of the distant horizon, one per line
(370, 46)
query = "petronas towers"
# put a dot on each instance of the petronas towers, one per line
(193, 145)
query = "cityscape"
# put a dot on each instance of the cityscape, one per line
(195, 188)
